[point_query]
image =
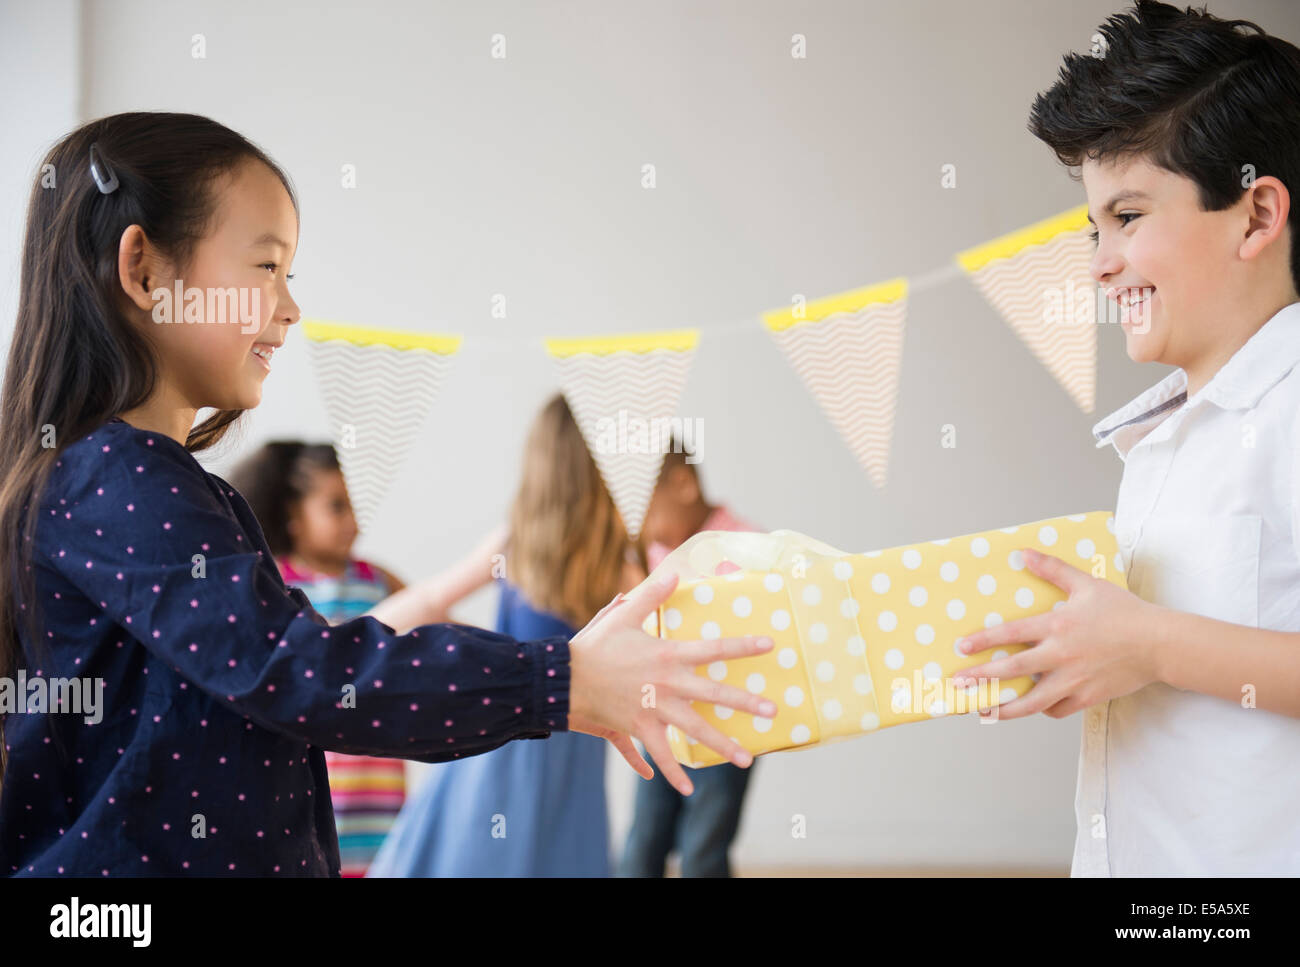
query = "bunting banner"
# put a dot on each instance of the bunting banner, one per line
(623, 391)
(379, 386)
(1038, 280)
(848, 349)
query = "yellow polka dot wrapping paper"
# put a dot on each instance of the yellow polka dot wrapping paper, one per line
(862, 641)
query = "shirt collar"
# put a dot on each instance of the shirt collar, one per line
(1253, 370)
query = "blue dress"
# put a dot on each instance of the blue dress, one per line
(207, 691)
(525, 809)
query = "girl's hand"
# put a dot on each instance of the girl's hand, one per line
(1098, 645)
(625, 683)
(618, 740)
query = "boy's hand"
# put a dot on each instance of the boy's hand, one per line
(1096, 646)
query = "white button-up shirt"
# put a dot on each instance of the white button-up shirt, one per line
(1171, 781)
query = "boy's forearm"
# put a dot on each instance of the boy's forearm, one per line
(1232, 662)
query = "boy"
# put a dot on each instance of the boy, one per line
(1187, 130)
(702, 825)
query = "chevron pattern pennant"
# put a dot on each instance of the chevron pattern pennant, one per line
(848, 349)
(1038, 279)
(623, 391)
(379, 386)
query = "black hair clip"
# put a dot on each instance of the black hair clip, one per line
(101, 172)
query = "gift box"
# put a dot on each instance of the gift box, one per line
(862, 641)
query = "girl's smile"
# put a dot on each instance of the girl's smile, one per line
(262, 352)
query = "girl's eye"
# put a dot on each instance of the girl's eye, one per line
(272, 267)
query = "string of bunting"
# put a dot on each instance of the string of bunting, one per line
(380, 385)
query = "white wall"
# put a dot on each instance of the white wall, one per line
(40, 78)
(775, 176)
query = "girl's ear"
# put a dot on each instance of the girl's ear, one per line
(138, 264)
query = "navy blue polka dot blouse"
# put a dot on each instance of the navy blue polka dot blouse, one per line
(221, 687)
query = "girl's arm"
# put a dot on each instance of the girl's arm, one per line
(430, 600)
(394, 583)
(135, 532)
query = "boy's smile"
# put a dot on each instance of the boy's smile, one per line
(1136, 304)
(1131, 206)
(1187, 283)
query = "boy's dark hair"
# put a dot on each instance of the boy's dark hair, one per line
(1196, 95)
(274, 477)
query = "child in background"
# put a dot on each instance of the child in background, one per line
(703, 825)
(530, 808)
(298, 494)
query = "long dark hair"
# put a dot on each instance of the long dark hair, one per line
(1200, 96)
(274, 477)
(76, 360)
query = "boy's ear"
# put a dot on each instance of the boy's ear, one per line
(138, 268)
(1268, 207)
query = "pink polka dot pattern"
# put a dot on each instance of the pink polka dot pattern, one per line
(181, 590)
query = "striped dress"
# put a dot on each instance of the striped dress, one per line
(367, 792)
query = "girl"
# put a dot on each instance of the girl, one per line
(528, 808)
(298, 494)
(136, 571)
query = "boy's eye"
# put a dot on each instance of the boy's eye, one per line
(1122, 216)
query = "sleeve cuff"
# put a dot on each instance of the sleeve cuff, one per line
(550, 687)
